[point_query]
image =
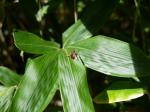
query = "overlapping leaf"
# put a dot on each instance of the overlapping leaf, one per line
(73, 85)
(38, 86)
(40, 82)
(120, 91)
(112, 57)
(6, 94)
(8, 77)
(102, 54)
(31, 43)
(94, 17)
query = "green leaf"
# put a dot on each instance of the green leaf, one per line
(75, 33)
(94, 17)
(51, 4)
(112, 57)
(73, 85)
(6, 94)
(41, 12)
(38, 86)
(8, 77)
(120, 91)
(31, 43)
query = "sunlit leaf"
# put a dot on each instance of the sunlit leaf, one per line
(112, 57)
(44, 9)
(41, 12)
(93, 18)
(38, 86)
(120, 91)
(6, 94)
(31, 43)
(8, 77)
(73, 85)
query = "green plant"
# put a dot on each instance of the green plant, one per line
(63, 67)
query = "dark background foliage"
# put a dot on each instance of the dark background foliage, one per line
(129, 22)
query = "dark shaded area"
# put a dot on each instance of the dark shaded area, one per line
(94, 18)
(125, 23)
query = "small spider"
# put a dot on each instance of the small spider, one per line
(73, 55)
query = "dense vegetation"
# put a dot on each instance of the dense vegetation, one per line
(74, 55)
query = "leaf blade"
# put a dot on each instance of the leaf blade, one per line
(127, 91)
(101, 54)
(6, 95)
(31, 43)
(38, 85)
(73, 86)
(8, 77)
(94, 17)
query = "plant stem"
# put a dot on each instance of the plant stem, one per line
(75, 11)
(1, 36)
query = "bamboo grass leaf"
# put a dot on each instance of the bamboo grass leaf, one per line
(8, 77)
(93, 19)
(6, 95)
(31, 43)
(73, 85)
(113, 57)
(38, 86)
(120, 91)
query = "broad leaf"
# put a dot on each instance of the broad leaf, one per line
(112, 57)
(75, 33)
(94, 17)
(120, 91)
(38, 85)
(73, 85)
(31, 43)
(8, 77)
(6, 94)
